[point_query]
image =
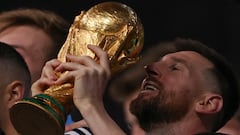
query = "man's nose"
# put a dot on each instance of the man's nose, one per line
(152, 69)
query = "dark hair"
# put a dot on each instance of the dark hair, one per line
(223, 70)
(51, 23)
(13, 67)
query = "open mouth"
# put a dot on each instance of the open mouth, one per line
(149, 85)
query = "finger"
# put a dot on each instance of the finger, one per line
(73, 74)
(84, 60)
(49, 69)
(40, 86)
(68, 66)
(102, 55)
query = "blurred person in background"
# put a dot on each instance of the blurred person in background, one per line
(36, 34)
(15, 83)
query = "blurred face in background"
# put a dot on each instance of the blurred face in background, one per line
(32, 43)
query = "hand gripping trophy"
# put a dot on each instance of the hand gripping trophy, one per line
(114, 27)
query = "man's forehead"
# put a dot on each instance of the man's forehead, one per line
(188, 56)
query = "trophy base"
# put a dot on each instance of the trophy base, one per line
(34, 117)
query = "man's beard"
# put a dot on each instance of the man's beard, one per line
(161, 109)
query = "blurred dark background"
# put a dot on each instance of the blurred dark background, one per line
(214, 22)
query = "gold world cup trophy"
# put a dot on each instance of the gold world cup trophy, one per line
(113, 26)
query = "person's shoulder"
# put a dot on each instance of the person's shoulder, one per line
(79, 131)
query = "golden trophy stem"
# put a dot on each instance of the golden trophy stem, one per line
(114, 27)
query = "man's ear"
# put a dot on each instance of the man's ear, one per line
(209, 103)
(15, 90)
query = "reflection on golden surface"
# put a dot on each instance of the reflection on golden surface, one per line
(114, 27)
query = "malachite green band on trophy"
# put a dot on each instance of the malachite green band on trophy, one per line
(44, 105)
(54, 101)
